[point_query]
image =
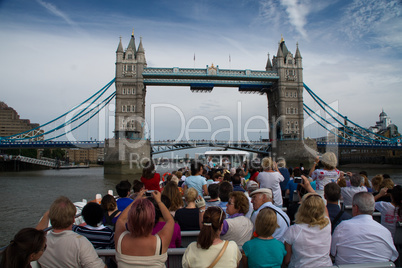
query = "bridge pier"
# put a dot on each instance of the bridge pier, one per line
(295, 151)
(126, 157)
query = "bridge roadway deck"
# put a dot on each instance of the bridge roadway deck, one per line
(262, 147)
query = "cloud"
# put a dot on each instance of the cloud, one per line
(57, 12)
(297, 13)
(362, 18)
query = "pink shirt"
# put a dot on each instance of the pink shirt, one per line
(176, 237)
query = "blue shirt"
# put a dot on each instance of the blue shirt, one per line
(292, 186)
(264, 252)
(196, 182)
(123, 202)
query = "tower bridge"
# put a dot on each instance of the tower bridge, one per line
(281, 82)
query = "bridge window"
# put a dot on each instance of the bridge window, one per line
(287, 94)
(133, 92)
(128, 90)
(133, 108)
(128, 108)
(295, 95)
(123, 108)
(130, 56)
(129, 68)
(124, 91)
(290, 61)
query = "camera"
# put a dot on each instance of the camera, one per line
(297, 180)
(148, 193)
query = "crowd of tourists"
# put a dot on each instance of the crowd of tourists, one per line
(260, 216)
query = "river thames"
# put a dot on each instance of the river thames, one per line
(25, 196)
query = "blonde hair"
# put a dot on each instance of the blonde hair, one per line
(267, 163)
(266, 222)
(312, 211)
(388, 183)
(376, 182)
(190, 194)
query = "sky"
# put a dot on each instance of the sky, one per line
(54, 54)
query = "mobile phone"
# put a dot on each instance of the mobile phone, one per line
(297, 180)
(148, 193)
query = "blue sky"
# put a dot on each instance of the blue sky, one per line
(56, 53)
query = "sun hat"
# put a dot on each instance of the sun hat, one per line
(329, 159)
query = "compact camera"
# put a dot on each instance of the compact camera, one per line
(298, 180)
(148, 193)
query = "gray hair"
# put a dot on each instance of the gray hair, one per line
(355, 180)
(365, 202)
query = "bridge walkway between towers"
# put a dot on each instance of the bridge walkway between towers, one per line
(206, 79)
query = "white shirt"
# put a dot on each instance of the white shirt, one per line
(283, 224)
(362, 240)
(310, 245)
(348, 193)
(323, 177)
(389, 215)
(271, 180)
(69, 249)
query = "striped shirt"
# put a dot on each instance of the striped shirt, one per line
(101, 237)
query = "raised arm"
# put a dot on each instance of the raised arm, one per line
(314, 165)
(200, 204)
(167, 231)
(122, 220)
(306, 185)
(44, 222)
(383, 192)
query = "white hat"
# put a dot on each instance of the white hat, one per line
(266, 191)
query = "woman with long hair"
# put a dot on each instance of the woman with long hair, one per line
(150, 178)
(160, 222)
(308, 242)
(110, 211)
(171, 190)
(209, 248)
(28, 245)
(391, 212)
(137, 246)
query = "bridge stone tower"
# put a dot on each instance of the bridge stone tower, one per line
(285, 106)
(128, 149)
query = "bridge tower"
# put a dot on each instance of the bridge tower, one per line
(129, 148)
(285, 105)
